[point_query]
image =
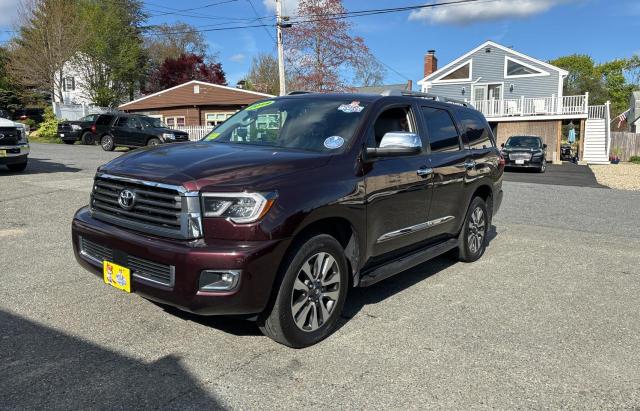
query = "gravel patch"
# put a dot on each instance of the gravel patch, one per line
(620, 176)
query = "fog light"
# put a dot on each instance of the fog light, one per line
(219, 280)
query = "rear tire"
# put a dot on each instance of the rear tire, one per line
(311, 294)
(17, 167)
(88, 139)
(153, 142)
(107, 143)
(473, 237)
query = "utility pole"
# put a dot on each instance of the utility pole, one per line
(283, 88)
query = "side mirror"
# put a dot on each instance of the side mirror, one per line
(502, 145)
(544, 146)
(396, 143)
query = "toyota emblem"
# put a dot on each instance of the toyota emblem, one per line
(127, 199)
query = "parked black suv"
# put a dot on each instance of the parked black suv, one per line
(86, 129)
(525, 152)
(132, 130)
(281, 209)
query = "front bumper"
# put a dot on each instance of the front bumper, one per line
(258, 262)
(14, 154)
(535, 162)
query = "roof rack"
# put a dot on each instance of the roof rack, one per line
(293, 93)
(434, 97)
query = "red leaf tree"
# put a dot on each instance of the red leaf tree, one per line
(186, 67)
(320, 50)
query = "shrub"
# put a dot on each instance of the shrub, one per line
(635, 159)
(48, 130)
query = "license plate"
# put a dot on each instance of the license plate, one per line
(519, 161)
(62, 135)
(3, 153)
(117, 276)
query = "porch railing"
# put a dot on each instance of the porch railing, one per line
(536, 106)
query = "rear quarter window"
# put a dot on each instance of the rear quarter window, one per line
(476, 129)
(103, 120)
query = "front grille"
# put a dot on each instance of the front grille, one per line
(62, 127)
(520, 156)
(156, 208)
(140, 268)
(9, 136)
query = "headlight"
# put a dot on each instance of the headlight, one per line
(75, 127)
(537, 154)
(169, 136)
(238, 207)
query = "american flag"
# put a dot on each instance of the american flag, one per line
(622, 118)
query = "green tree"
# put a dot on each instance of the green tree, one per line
(112, 59)
(263, 75)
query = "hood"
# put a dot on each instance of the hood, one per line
(167, 130)
(200, 165)
(8, 123)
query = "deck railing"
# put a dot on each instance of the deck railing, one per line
(536, 106)
(598, 111)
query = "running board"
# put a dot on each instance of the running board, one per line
(406, 262)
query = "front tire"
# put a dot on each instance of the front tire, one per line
(543, 166)
(153, 142)
(88, 139)
(107, 143)
(311, 294)
(473, 237)
(17, 167)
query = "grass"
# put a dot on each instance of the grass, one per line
(635, 159)
(36, 138)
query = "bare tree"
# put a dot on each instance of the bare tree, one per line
(263, 74)
(51, 32)
(320, 48)
(170, 41)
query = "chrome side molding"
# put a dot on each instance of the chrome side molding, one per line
(414, 228)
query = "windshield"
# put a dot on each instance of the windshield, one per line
(523, 142)
(152, 122)
(315, 124)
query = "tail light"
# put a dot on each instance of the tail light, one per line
(93, 128)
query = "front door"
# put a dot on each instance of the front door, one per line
(449, 160)
(397, 196)
(487, 98)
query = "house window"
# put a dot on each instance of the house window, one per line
(69, 84)
(516, 68)
(215, 119)
(175, 121)
(461, 73)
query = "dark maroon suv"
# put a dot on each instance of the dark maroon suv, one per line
(281, 209)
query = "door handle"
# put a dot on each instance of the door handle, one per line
(469, 164)
(425, 171)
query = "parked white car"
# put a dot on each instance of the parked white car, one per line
(14, 145)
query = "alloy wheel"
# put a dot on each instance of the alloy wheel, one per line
(476, 231)
(315, 293)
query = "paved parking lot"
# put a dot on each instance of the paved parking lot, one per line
(567, 174)
(548, 318)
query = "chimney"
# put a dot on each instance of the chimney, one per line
(430, 62)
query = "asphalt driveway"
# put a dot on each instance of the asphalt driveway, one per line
(567, 174)
(548, 318)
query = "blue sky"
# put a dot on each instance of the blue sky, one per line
(545, 29)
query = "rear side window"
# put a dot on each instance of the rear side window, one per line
(443, 135)
(104, 120)
(476, 129)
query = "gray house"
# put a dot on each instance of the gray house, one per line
(518, 94)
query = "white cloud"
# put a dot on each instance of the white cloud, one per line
(238, 58)
(483, 11)
(289, 7)
(8, 12)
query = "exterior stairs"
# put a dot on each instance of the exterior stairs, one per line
(595, 141)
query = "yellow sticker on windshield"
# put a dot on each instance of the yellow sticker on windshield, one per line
(212, 136)
(260, 105)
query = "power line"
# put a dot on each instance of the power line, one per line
(259, 18)
(174, 11)
(343, 15)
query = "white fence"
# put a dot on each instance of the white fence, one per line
(76, 111)
(533, 106)
(195, 132)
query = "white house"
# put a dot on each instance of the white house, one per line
(73, 89)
